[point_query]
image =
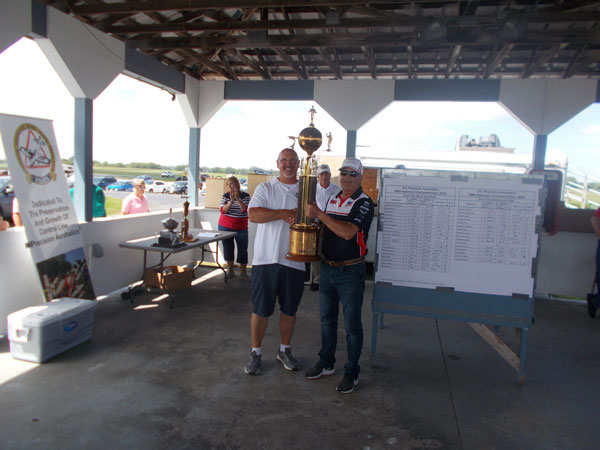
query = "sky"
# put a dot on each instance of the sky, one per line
(137, 122)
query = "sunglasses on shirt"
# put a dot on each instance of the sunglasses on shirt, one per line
(346, 172)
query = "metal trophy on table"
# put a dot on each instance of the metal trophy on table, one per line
(304, 234)
(185, 236)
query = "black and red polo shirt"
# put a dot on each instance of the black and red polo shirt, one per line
(357, 209)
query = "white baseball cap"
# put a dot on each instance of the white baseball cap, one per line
(323, 168)
(353, 163)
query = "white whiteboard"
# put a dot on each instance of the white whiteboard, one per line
(471, 232)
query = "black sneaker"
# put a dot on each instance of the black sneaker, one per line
(314, 287)
(591, 307)
(347, 384)
(317, 371)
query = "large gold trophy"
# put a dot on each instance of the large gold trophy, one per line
(304, 234)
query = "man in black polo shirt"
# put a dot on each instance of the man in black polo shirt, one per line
(346, 219)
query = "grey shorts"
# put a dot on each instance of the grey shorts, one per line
(272, 281)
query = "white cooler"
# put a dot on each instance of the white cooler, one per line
(40, 332)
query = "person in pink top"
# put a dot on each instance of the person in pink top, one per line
(136, 202)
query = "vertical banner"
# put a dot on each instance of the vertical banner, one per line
(45, 206)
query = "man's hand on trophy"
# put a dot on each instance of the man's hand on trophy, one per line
(289, 215)
(311, 210)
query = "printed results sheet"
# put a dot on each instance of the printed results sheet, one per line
(474, 235)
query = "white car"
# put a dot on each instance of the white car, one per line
(157, 186)
(167, 174)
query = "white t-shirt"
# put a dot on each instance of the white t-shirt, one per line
(323, 194)
(272, 239)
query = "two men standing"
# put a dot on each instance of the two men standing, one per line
(346, 217)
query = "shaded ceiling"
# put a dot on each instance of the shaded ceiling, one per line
(345, 39)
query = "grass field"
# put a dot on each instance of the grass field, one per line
(113, 206)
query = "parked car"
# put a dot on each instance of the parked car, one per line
(121, 186)
(102, 182)
(7, 194)
(179, 187)
(167, 174)
(183, 178)
(146, 178)
(156, 186)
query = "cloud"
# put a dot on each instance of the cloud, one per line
(592, 130)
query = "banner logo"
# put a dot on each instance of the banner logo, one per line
(35, 154)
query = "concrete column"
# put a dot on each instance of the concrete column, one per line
(83, 190)
(194, 166)
(539, 151)
(351, 143)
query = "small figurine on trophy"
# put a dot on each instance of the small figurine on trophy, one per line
(304, 234)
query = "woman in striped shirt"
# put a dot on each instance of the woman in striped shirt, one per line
(234, 217)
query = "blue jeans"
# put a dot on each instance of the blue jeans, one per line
(242, 245)
(345, 285)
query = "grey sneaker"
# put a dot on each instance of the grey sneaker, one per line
(288, 361)
(253, 367)
(347, 384)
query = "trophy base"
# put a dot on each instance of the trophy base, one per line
(304, 243)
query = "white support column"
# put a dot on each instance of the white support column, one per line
(87, 61)
(83, 191)
(200, 101)
(544, 105)
(352, 103)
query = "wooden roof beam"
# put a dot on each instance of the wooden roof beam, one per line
(452, 60)
(409, 70)
(263, 62)
(266, 74)
(570, 69)
(135, 6)
(368, 52)
(335, 69)
(290, 62)
(543, 59)
(496, 60)
(208, 63)
(227, 66)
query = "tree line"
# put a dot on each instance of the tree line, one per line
(178, 168)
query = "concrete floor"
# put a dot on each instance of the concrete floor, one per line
(154, 378)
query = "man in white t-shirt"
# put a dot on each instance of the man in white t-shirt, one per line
(273, 208)
(325, 189)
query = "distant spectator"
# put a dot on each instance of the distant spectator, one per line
(98, 207)
(234, 217)
(16, 213)
(136, 202)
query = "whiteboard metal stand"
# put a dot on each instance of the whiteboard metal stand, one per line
(477, 309)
